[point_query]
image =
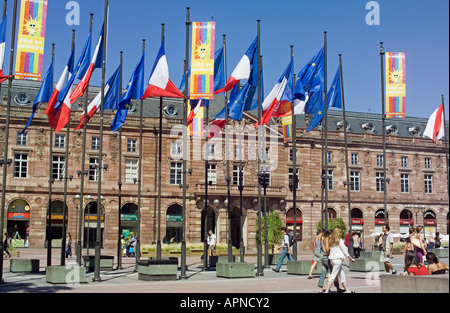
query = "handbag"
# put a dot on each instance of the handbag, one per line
(415, 242)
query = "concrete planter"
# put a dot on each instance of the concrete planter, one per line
(158, 270)
(302, 267)
(440, 253)
(414, 284)
(366, 265)
(235, 270)
(24, 266)
(106, 262)
(65, 274)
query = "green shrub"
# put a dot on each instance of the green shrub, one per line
(332, 224)
(274, 235)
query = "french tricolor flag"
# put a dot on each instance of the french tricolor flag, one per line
(2, 49)
(243, 69)
(96, 62)
(195, 107)
(159, 84)
(63, 80)
(273, 99)
(435, 126)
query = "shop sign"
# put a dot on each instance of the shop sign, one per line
(357, 221)
(128, 217)
(380, 221)
(18, 215)
(406, 222)
(430, 222)
(174, 218)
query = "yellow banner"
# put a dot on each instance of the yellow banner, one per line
(31, 39)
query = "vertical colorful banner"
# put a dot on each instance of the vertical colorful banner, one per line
(196, 127)
(31, 39)
(286, 122)
(202, 65)
(395, 84)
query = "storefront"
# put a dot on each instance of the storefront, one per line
(174, 224)
(90, 225)
(128, 220)
(18, 223)
(380, 220)
(429, 223)
(406, 221)
(57, 221)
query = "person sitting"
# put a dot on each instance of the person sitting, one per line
(434, 265)
(412, 265)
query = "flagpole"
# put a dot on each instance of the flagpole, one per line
(119, 239)
(383, 130)
(5, 154)
(259, 271)
(83, 165)
(137, 251)
(346, 156)
(98, 238)
(446, 149)
(326, 131)
(5, 9)
(227, 178)
(66, 171)
(294, 167)
(186, 92)
(158, 241)
(50, 183)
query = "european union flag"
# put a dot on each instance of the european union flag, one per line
(334, 94)
(317, 97)
(135, 90)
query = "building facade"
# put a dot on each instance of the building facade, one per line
(416, 193)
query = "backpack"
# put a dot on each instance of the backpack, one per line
(291, 241)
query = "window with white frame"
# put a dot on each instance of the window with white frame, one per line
(428, 180)
(291, 178)
(20, 165)
(210, 150)
(380, 159)
(265, 175)
(176, 148)
(404, 161)
(236, 175)
(131, 170)
(176, 173)
(60, 141)
(93, 170)
(95, 146)
(379, 181)
(330, 157)
(131, 145)
(58, 167)
(427, 163)
(22, 139)
(330, 180)
(212, 173)
(404, 183)
(354, 158)
(238, 152)
(354, 181)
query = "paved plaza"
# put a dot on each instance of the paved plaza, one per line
(198, 281)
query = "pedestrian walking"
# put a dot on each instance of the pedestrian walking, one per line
(408, 242)
(419, 244)
(286, 250)
(317, 256)
(5, 244)
(356, 244)
(338, 253)
(212, 243)
(68, 245)
(388, 248)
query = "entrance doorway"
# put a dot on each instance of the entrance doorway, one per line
(174, 224)
(90, 225)
(18, 223)
(128, 220)
(57, 220)
(211, 223)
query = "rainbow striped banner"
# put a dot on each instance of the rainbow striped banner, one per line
(202, 64)
(286, 122)
(395, 84)
(196, 127)
(31, 39)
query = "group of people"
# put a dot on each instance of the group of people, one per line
(415, 251)
(128, 245)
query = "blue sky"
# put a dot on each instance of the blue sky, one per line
(417, 27)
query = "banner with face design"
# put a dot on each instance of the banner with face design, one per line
(202, 65)
(395, 84)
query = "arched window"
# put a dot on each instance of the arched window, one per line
(174, 223)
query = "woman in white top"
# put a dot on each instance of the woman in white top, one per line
(338, 253)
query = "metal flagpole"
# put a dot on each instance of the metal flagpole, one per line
(137, 251)
(5, 153)
(50, 183)
(347, 170)
(119, 183)
(383, 130)
(158, 233)
(205, 211)
(446, 150)
(98, 238)
(259, 271)
(83, 172)
(186, 92)
(325, 128)
(294, 168)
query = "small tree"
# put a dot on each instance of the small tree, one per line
(274, 224)
(332, 224)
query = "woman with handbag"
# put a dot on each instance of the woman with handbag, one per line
(409, 246)
(419, 244)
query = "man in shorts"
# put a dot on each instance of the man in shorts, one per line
(388, 249)
(211, 243)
